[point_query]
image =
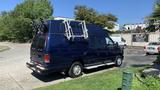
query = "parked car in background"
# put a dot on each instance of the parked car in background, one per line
(152, 48)
(121, 41)
(70, 47)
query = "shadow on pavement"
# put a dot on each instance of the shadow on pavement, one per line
(152, 54)
(49, 77)
(57, 76)
(98, 69)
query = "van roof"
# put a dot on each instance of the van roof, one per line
(92, 28)
(66, 20)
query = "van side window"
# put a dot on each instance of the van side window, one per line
(97, 42)
(109, 41)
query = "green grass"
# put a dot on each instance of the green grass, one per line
(110, 80)
(3, 48)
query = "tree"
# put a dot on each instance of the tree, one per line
(16, 24)
(34, 9)
(156, 13)
(155, 16)
(92, 16)
(84, 13)
(5, 26)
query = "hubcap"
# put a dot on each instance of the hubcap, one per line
(76, 69)
(119, 61)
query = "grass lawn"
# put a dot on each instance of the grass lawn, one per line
(110, 80)
(3, 48)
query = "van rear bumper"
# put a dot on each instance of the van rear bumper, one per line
(38, 69)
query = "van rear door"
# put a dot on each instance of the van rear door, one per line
(38, 47)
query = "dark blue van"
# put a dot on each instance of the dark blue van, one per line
(70, 47)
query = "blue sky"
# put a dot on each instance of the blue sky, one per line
(127, 11)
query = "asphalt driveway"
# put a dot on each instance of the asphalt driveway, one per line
(14, 75)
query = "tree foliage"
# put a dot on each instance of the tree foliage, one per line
(16, 25)
(92, 16)
(156, 13)
(34, 9)
(155, 16)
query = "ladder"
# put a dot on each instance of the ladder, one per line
(84, 29)
(69, 31)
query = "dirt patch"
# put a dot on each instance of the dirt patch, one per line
(3, 48)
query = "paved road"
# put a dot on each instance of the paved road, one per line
(14, 75)
(137, 57)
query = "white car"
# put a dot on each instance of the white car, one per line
(152, 48)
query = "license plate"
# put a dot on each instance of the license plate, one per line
(151, 48)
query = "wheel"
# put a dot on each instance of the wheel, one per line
(75, 70)
(124, 47)
(118, 61)
(147, 53)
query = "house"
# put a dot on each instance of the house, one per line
(116, 27)
(134, 26)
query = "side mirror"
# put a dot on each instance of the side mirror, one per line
(116, 43)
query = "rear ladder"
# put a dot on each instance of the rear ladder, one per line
(69, 31)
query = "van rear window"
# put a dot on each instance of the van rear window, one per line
(39, 41)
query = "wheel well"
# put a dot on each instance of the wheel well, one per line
(79, 60)
(120, 55)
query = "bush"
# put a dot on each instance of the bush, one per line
(16, 25)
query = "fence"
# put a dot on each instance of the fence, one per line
(139, 39)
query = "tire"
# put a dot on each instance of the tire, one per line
(118, 61)
(125, 46)
(75, 70)
(147, 54)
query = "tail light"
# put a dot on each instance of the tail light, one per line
(47, 58)
(158, 49)
(144, 47)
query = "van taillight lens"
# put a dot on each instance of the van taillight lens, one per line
(47, 58)
(158, 49)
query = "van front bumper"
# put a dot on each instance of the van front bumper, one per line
(37, 68)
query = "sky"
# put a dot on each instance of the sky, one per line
(127, 11)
